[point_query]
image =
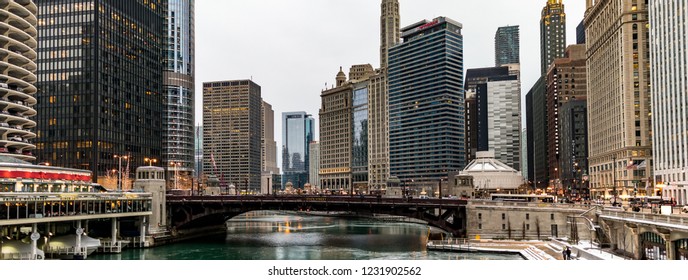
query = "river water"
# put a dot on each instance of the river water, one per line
(272, 235)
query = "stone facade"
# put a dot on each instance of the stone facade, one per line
(521, 221)
(619, 103)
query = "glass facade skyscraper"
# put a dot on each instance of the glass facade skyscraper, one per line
(507, 45)
(359, 145)
(99, 83)
(426, 102)
(298, 130)
(178, 87)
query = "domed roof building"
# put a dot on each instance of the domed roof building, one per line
(490, 175)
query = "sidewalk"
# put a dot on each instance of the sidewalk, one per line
(529, 249)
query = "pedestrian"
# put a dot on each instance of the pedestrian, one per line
(563, 253)
(568, 252)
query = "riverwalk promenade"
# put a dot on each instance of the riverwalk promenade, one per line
(529, 250)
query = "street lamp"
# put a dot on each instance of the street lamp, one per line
(119, 171)
(614, 175)
(150, 161)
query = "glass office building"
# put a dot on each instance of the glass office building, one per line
(426, 103)
(297, 132)
(359, 145)
(178, 87)
(507, 45)
(99, 84)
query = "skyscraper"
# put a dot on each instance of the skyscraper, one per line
(100, 83)
(566, 81)
(359, 145)
(389, 29)
(298, 131)
(378, 100)
(268, 149)
(178, 87)
(580, 33)
(314, 164)
(378, 131)
(619, 111)
(426, 116)
(537, 121)
(552, 33)
(335, 136)
(18, 48)
(507, 46)
(475, 77)
(232, 128)
(268, 143)
(669, 88)
(498, 102)
(573, 159)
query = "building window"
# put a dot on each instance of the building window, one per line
(503, 226)
(480, 216)
(551, 216)
(527, 226)
(503, 216)
(480, 226)
(527, 216)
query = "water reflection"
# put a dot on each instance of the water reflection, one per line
(270, 235)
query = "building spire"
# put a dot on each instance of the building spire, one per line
(390, 34)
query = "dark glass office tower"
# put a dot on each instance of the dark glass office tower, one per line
(426, 103)
(99, 84)
(507, 45)
(178, 88)
(297, 133)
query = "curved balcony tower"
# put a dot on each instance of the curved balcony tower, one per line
(17, 77)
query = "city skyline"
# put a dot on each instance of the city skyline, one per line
(316, 51)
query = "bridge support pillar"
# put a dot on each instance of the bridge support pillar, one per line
(143, 231)
(638, 252)
(670, 250)
(34, 241)
(113, 230)
(79, 232)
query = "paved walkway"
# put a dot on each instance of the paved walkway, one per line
(531, 250)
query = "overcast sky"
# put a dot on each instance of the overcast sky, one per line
(291, 48)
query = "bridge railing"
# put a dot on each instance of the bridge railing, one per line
(316, 199)
(648, 217)
(530, 204)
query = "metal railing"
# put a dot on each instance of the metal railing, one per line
(530, 204)
(459, 244)
(647, 217)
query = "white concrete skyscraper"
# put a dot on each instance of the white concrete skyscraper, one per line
(669, 69)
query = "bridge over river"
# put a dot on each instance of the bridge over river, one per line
(188, 212)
